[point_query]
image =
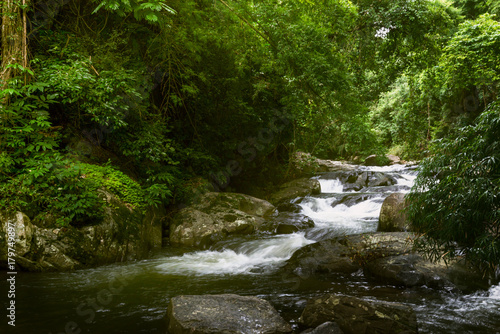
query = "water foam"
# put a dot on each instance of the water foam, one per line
(494, 292)
(351, 219)
(249, 256)
(331, 186)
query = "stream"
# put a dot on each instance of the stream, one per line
(132, 297)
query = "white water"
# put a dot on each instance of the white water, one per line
(250, 255)
(341, 216)
(331, 186)
(385, 169)
(494, 292)
(406, 180)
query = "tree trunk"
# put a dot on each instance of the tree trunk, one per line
(14, 39)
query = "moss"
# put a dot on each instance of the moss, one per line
(121, 185)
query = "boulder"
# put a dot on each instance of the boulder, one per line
(332, 166)
(379, 160)
(346, 254)
(307, 165)
(365, 180)
(223, 314)
(296, 188)
(326, 328)
(353, 199)
(123, 234)
(19, 226)
(412, 270)
(289, 207)
(392, 218)
(378, 179)
(386, 257)
(214, 202)
(373, 160)
(356, 181)
(215, 216)
(394, 159)
(406, 270)
(288, 222)
(191, 227)
(355, 316)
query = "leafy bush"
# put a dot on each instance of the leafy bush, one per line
(455, 202)
(39, 179)
(469, 69)
(70, 191)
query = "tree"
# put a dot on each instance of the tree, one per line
(455, 203)
(14, 39)
(471, 60)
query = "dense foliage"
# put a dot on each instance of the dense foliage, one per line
(455, 204)
(143, 97)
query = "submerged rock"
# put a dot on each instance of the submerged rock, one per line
(223, 314)
(355, 316)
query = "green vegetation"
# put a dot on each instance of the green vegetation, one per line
(143, 97)
(456, 201)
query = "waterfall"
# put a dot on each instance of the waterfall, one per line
(331, 186)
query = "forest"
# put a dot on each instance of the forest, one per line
(151, 98)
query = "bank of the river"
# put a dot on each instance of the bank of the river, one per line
(132, 297)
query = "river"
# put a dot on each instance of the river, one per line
(132, 297)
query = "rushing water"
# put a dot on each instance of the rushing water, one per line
(132, 297)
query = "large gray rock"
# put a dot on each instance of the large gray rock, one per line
(214, 202)
(296, 188)
(223, 314)
(378, 179)
(392, 217)
(412, 270)
(366, 180)
(326, 328)
(394, 159)
(345, 254)
(20, 228)
(288, 222)
(357, 316)
(123, 234)
(191, 227)
(407, 270)
(304, 164)
(386, 257)
(215, 216)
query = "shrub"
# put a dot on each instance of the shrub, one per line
(455, 202)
